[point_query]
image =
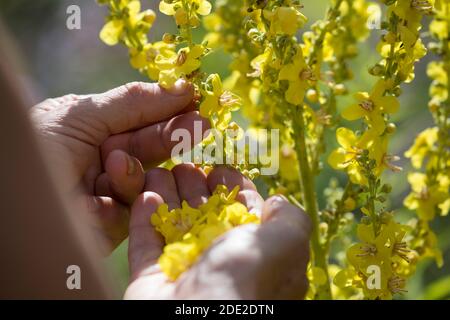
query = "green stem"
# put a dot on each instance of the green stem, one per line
(319, 258)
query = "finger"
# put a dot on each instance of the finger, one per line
(103, 186)
(248, 195)
(138, 104)
(162, 182)
(145, 243)
(126, 176)
(111, 218)
(290, 228)
(278, 208)
(153, 145)
(191, 184)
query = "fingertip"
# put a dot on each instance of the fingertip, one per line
(126, 175)
(117, 162)
(146, 202)
(191, 184)
(224, 175)
(278, 207)
(181, 88)
(143, 207)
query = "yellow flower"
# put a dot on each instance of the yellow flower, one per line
(178, 257)
(188, 231)
(112, 32)
(285, 20)
(378, 249)
(438, 89)
(144, 60)
(424, 198)
(351, 148)
(186, 14)
(131, 18)
(173, 66)
(372, 250)
(423, 146)
(440, 29)
(298, 74)
(411, 11)
(371, 107)
(218, 103)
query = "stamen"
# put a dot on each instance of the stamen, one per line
(182, 57)
(227, 99)
(367, 105)
(401, 249)
(387, 159)
(396, 285)
(423, 6)
(307, 74)
(368, 250)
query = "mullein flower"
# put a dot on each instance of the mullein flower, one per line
(185, 11)
(425, 198)
(347, 156)
(174, 66)
(300, 76)
(219, 103)
(128, 21)
(188, 231)
(424, 146)
(372, 106)
(145, 59)
(284, 20)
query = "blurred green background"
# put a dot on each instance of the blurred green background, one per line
(56, 61)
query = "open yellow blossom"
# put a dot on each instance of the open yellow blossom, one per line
(423, 146)
(144, 59)
(372, 106)
(174, 66)
(299, 75)
(424, 198)
(219, 103)
(346, 156)
(185, 11)
(285, 20)
(131, 16)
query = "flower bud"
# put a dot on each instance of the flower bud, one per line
(169, 38)
(340, 89)
(312, 95)
(391, 128)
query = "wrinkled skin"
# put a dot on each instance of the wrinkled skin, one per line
(103, 150)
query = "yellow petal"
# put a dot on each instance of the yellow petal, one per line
(204, 8)
(388, 104)
(167, 8)
(295, 94)
(353, 112)
(337, 159)
(111, 32)
(346, 138)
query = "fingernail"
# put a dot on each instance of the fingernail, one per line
(132, 167)
(179, 88)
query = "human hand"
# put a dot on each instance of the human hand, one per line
(98, 146)
(249, 262)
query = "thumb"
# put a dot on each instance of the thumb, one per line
(139, 104)
(145, 243)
